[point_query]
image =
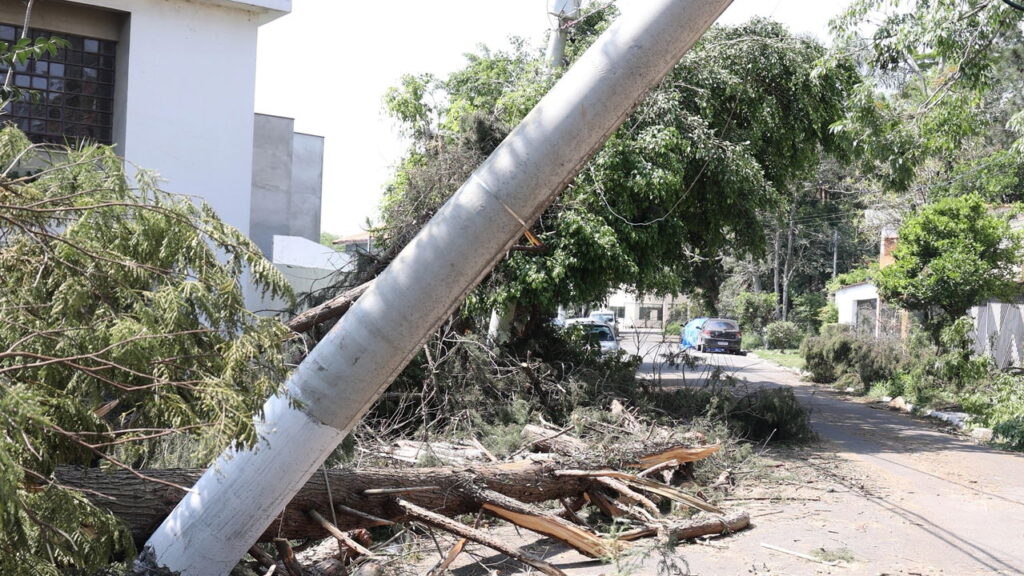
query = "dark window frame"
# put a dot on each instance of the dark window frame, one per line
(68, 97)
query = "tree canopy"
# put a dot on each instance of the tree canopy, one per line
(952, 255)
(684, 182)
(123, 335)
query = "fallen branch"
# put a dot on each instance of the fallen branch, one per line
(340, 536)
(799, 555)
(447, 524)
(696, 527)
(333, 308)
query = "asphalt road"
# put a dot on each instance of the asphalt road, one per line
(882, 493)
(916, 500)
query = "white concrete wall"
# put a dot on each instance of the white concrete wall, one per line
(308, 266)
(186, 83)
(847, 298)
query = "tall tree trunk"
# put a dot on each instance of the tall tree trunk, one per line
(755, 276)
(787, 273)
(776, 263)
(235, 501)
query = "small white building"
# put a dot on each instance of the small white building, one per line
(857, 305)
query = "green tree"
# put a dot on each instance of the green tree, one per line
(952, 255)
(122, 330)
(681, 185)
(942, 100)
(755, 311)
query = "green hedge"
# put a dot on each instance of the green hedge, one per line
(782, 335)
(839, 351)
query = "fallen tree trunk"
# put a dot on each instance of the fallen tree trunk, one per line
(142, 504)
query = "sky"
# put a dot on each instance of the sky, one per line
(329, 63)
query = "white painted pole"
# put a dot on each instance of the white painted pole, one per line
(237, 499)
(563, 12)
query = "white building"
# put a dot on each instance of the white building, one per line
(639, 311)
(171, 84)
(857, 305)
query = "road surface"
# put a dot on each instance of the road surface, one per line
(882, 493)
(906, 498)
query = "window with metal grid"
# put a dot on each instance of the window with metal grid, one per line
(67, 97)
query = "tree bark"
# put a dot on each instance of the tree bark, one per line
(143, 504)
(333, 308)
(776, 262)
(787, 272)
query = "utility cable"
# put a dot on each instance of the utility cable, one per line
(1013, 5)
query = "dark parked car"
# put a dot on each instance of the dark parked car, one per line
(708, 334)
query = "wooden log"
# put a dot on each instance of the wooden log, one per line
(695, 527)
(142, 505)
(333, 308)
(447, 524)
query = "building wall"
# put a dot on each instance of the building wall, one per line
(185, 95)
(271, 179)
(307, 185)
(641, 311)
(847, 298)
(999, 332)
(286, 182)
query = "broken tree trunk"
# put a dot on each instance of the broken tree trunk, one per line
(142, 504)
(237, 498)
(366, 497)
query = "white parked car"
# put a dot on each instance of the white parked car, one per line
(598, 332)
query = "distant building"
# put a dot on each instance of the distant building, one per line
(641, 310)
(859, 305)
(355, 243)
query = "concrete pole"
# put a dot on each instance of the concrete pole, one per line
(238, 498)
(564, 11)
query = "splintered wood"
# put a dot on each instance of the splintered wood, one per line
(571, 475)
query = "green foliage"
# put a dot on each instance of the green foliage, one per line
(672, 328)
(838, 350)
(755, 310)
(998, 402)
(936, 88)
(855, 276)
(774, 413)
(463, 385)
(952, 255)
(758, 415)
(806, 310)
(740, 118)
(828, 314)
(123, 326)
(751, 340)
(782, 335)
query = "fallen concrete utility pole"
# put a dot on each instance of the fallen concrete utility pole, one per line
(234, 501)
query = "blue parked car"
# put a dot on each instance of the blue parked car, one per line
(708, 334)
